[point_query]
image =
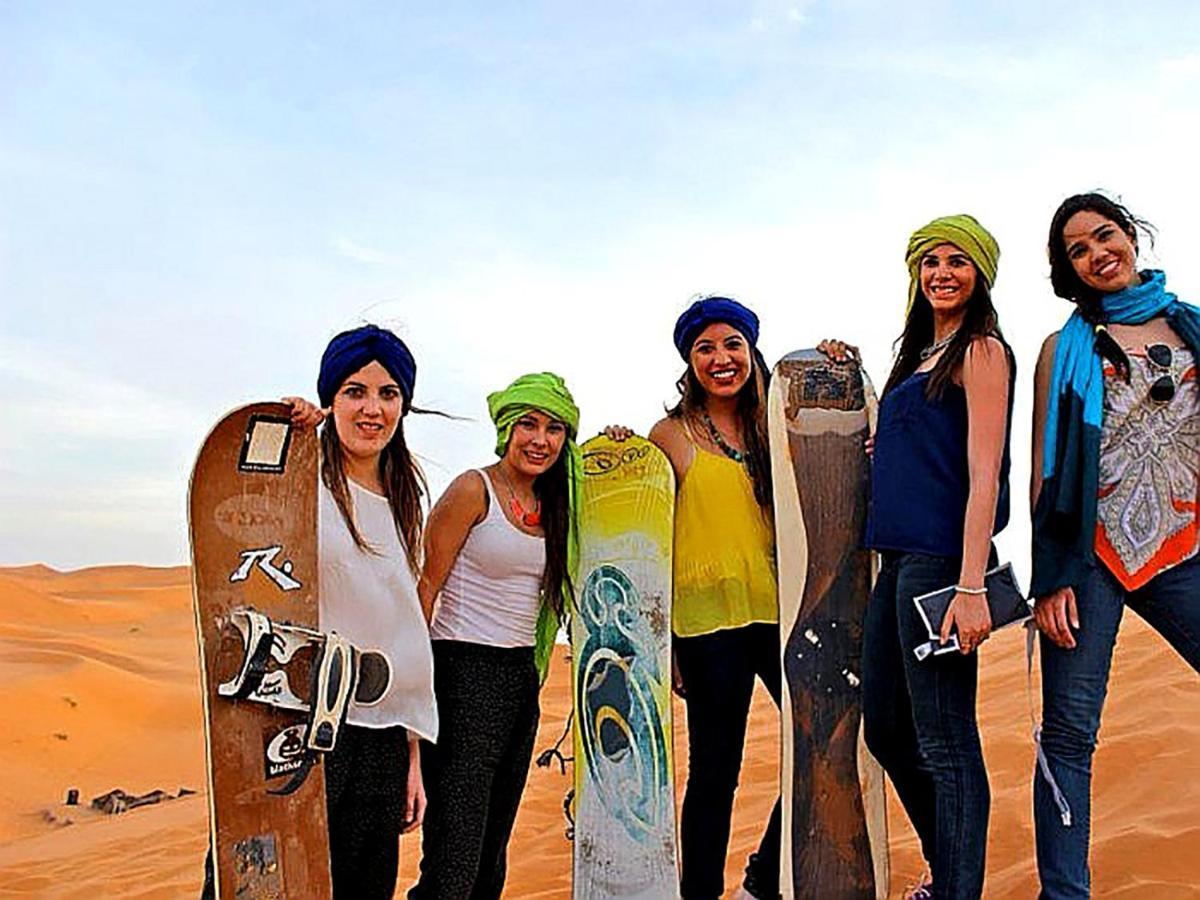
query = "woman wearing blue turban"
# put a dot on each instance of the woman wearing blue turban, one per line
(369, 538)
(369, 548)
(725, 611)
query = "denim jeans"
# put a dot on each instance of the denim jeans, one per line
(919, 722)
(1074, 684)
(718, 672)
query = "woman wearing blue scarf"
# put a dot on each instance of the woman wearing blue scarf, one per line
(1116, 452)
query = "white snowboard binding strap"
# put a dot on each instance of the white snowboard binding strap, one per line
(340, 673)
(331, 699)
(258, 639)
(334, 675)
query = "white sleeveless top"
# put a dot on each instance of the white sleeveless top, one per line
(493, 592)
(371, 600)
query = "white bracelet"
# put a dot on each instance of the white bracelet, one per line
(974, 592)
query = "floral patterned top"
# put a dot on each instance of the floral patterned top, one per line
(1146, 517)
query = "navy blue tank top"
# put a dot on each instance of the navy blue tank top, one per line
(919, 476)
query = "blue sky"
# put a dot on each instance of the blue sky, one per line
(195, 197)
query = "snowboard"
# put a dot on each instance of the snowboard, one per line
(834, 841)
(624, 800)
(275, 688)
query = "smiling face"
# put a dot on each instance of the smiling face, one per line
(535, 443)
(366, 411)
(948, 278)
(1102, 255)
(720, 360)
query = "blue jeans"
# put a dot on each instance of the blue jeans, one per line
(1074, 683)
(919, 722)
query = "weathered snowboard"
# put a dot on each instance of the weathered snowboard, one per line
(252, 511)
(834, 841)
(621, 667)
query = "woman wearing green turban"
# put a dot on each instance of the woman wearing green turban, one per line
(499, 563)
(939, 492)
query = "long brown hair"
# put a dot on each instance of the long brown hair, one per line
(552, 489)
(403, 483)
(979, 320)
(752, 420)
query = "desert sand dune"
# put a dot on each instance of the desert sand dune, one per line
(101, 665)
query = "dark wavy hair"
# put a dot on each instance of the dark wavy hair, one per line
(980, 320)
(1066, 281)
(403, 485)
(752, 416)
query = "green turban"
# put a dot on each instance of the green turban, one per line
(965, 233)
(547, 393)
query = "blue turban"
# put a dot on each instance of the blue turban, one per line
(707, 310)
(351, 350)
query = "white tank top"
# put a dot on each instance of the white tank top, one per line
(493, 592)
(371, 600)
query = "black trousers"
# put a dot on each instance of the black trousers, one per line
(366, 780)
(366, 785)
(474, 776)
(718, 672)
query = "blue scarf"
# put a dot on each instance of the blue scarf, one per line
(1064, 522)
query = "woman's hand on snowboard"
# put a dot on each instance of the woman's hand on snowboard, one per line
(618, 433)
(305, 414)
(838, 351)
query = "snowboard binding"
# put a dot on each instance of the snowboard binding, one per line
(338, 672)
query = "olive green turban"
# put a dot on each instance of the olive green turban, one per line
(965, 233)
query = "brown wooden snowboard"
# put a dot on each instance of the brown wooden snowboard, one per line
(252, 511)
(834, 841)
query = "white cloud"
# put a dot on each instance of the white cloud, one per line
(769, 14)
(357, 252)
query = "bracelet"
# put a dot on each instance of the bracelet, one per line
(974, 592)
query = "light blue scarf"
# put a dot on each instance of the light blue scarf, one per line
(1064, 523)
(1077, 366)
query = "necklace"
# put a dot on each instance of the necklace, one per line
(938, 345)
(532, 518)
(736, 455)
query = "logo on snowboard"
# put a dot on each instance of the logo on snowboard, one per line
(264, 560)
(285, 751)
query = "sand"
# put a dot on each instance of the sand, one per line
(102, 668)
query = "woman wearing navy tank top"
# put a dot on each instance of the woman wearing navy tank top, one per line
(499, 559)
(939, 492)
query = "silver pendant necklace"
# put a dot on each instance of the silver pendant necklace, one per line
(938, 345)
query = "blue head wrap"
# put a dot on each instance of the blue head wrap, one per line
(351, 350)
(707, 310)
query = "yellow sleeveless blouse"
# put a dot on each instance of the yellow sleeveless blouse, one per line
(724, 568)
